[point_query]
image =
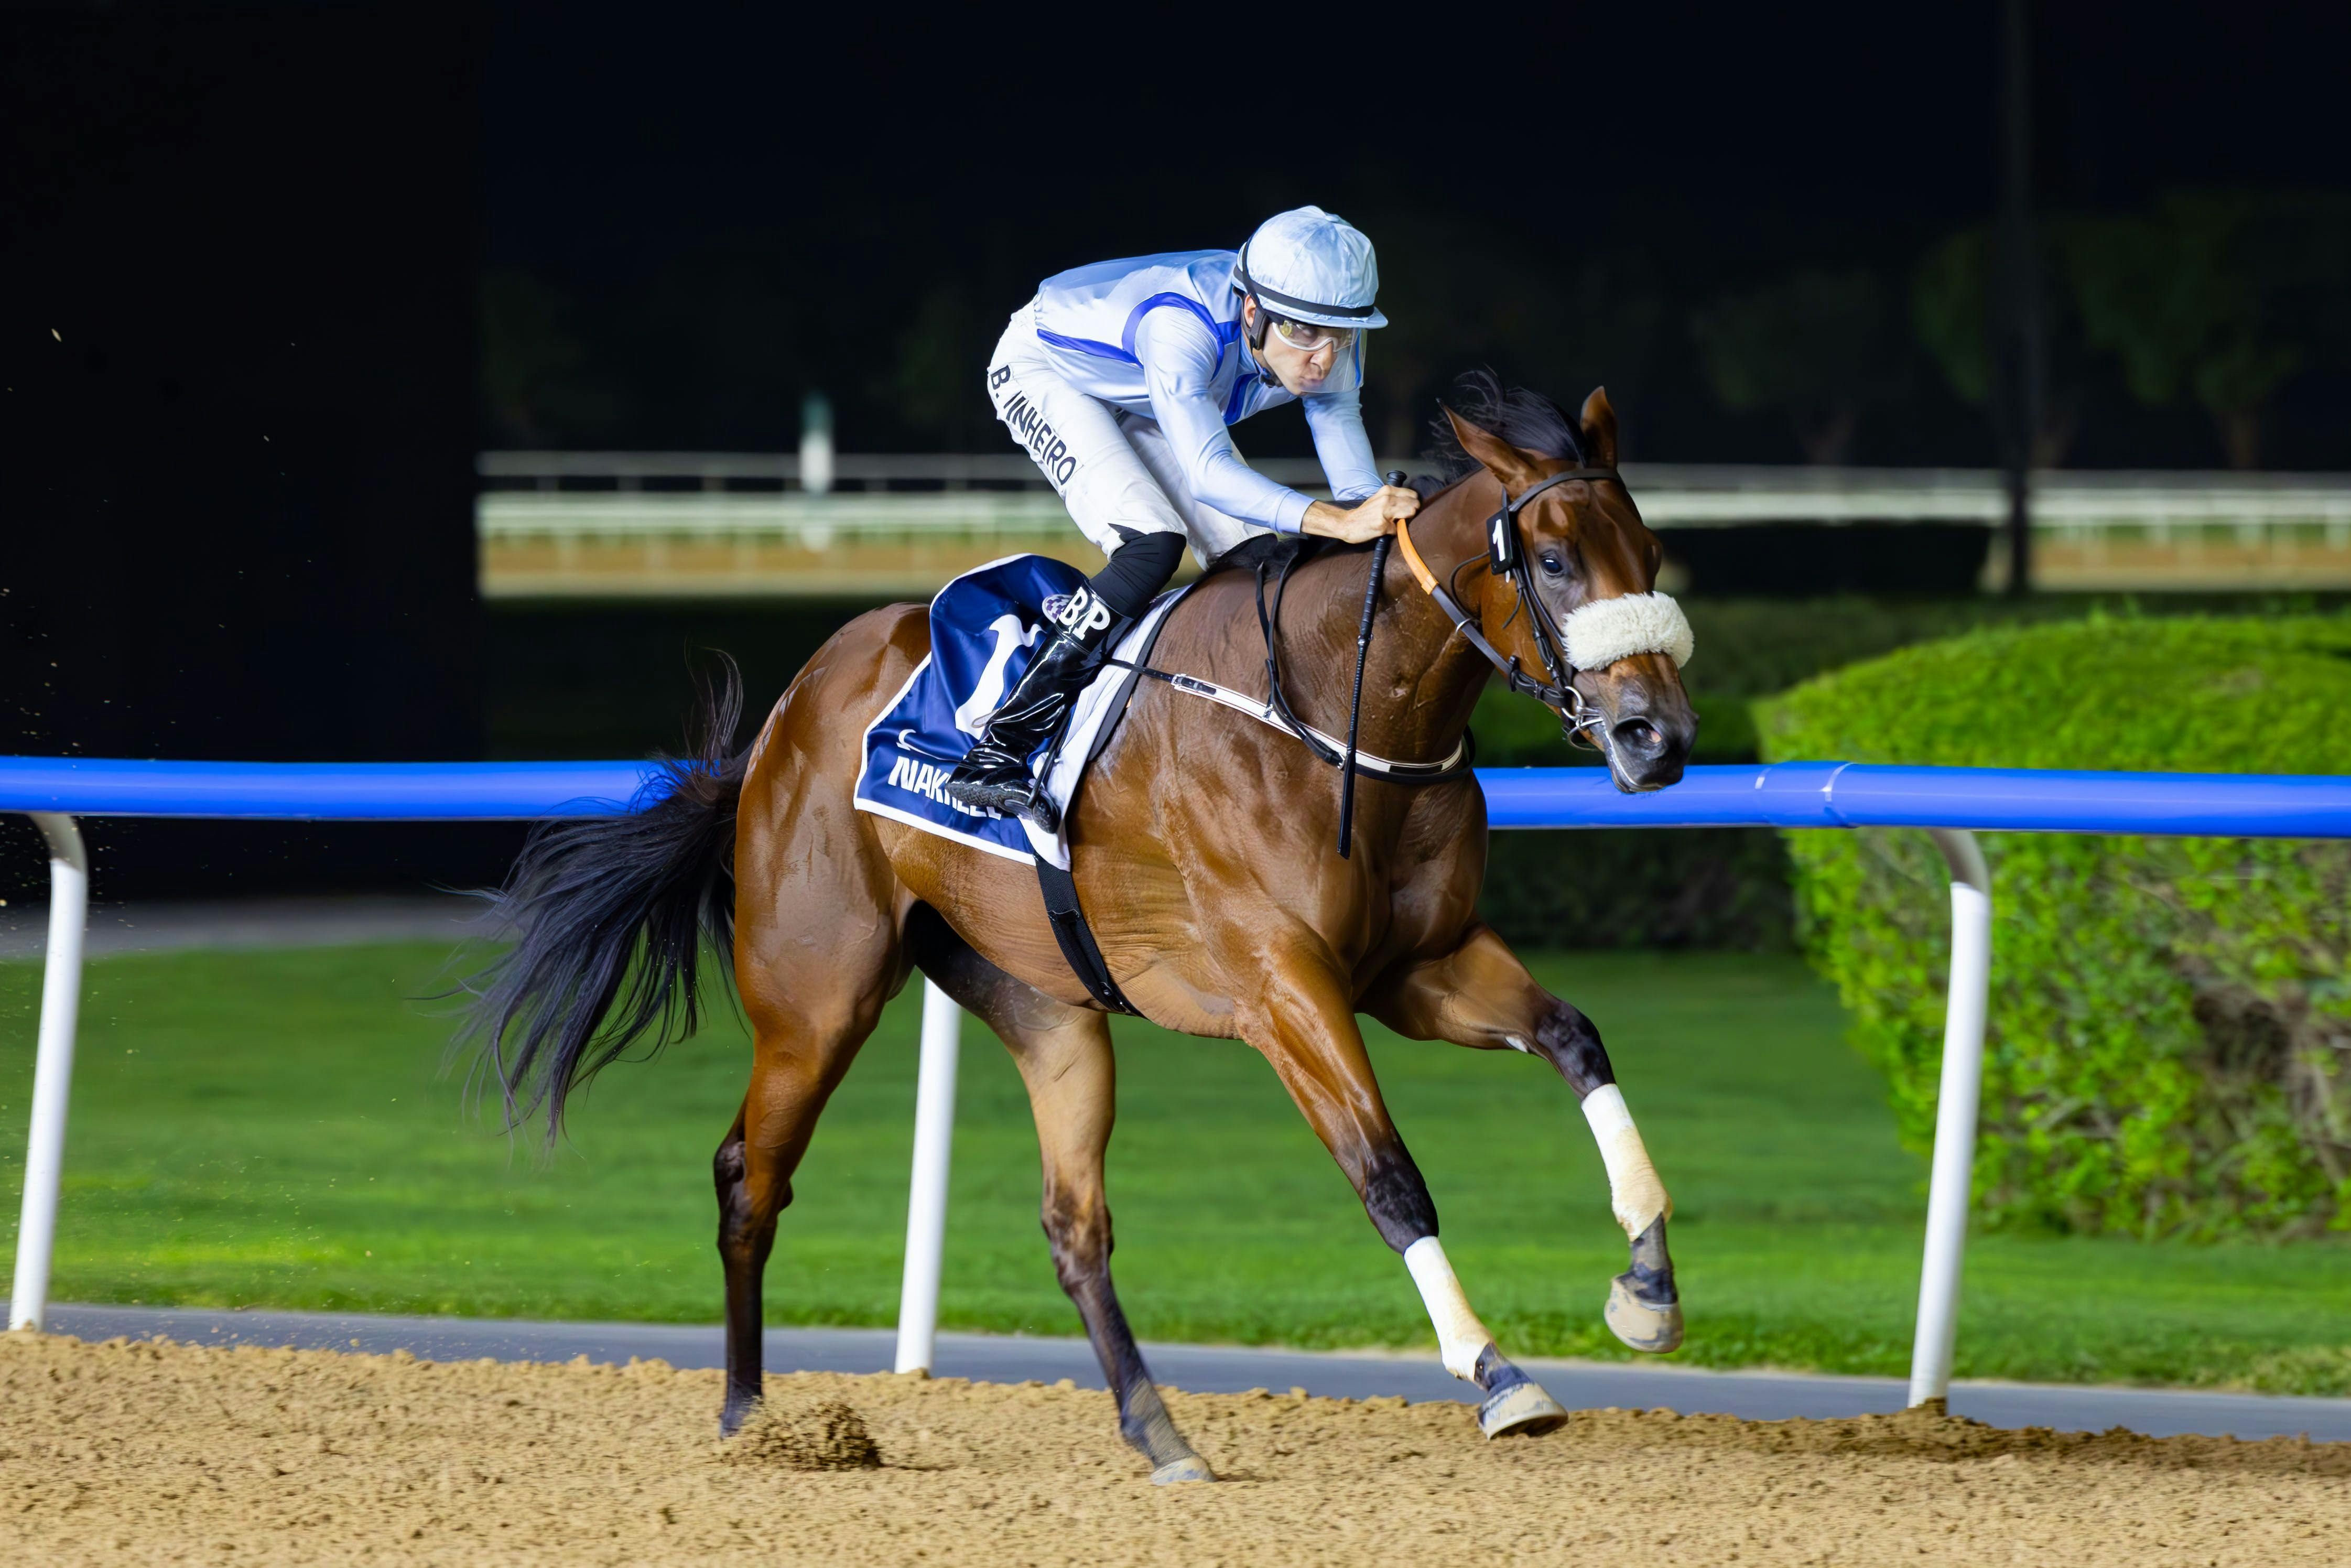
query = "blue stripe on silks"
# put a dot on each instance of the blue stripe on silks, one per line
(1240, 395)
(1134, 319)
(1088, 346)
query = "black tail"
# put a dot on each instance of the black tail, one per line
(607, 916)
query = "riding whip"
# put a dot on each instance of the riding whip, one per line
(1355, 708)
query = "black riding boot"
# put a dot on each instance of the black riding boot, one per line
(996, 771)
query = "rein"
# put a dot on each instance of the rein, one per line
(1274, 710)
(1506, 559)
(1326, 748)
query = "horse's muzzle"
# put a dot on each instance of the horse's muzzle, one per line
(1644, 725)
(1647, 746)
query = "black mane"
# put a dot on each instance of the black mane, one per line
(1526, 419)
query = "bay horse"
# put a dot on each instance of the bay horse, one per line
(1202, 848)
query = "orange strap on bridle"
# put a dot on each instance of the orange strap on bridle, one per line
(1558, 696)
(1419, 568)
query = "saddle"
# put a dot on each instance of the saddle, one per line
(985, 627)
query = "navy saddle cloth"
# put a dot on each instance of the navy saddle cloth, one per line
(987, 626)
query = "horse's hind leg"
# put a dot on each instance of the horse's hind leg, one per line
(1479, 995)
(811, 1002)
(1065, 1056)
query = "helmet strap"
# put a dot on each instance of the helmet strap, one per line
(1256, 329)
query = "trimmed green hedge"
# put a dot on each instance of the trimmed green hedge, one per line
(1721, 888)
(2170, 1040)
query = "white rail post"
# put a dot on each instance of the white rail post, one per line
(816, 444)
(45, 1148)
(1955, 1115)
(926, 1202)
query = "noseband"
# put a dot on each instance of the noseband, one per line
(1506, 558)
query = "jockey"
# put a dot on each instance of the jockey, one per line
(1121, 380)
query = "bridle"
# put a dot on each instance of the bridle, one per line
(1506, 558)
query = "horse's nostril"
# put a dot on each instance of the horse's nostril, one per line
(1639, 735)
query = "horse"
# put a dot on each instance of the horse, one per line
(1201, 846)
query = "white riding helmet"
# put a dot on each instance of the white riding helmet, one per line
(1307, 265)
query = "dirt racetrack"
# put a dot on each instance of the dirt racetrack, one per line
(140, 1452)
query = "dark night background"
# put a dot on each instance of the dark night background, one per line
(274, 273)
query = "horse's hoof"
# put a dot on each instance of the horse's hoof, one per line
(738, 1407)
(1653, 1327)
(1190, 1468)
(1523, 1408)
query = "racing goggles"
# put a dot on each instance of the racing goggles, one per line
(1312, 336)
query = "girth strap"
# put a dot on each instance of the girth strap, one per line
(1077, 938)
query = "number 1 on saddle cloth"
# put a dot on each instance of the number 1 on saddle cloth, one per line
(998, 775)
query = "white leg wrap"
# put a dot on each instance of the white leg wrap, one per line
(1633, 1190)
(1460, 1335)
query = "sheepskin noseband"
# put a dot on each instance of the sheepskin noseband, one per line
(1606, 630)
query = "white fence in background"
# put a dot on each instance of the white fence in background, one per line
(687, 523)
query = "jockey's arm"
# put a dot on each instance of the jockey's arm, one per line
(1335, 420)
(1179, 357)
(1363, 507)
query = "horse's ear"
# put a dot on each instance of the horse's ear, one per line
(1499, 457)
(1599, 430)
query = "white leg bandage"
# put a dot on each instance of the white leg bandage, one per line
(1633, 1190)
(1460, 1335)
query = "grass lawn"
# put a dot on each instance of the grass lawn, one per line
(273, 1129)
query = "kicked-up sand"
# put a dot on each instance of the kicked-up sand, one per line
(133, 1452)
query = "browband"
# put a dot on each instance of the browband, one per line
(1427, 578)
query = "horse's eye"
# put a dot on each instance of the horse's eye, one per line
(1552, 564)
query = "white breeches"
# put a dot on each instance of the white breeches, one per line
(1115, 470)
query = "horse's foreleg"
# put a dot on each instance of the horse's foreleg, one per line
(1305, 1025)
(1480, 995)
(1065, 1056)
